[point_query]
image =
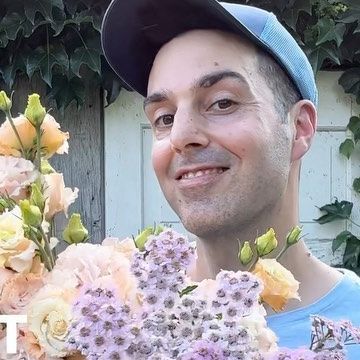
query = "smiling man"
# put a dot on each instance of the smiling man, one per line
(231, 99)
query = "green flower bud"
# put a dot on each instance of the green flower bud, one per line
(5, 102)
(294, 235)
(31, 214)
(158, 230)
(37, 197)
(246, 254)
(142, 238)
(3, 205)
(266, 243)
(34, 111)
(75, 232)
(46, 168)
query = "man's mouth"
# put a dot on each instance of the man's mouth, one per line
(201, 172)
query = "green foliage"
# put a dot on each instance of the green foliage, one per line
(342, 210)
(347, 147)
(335, 211)
(60, 41)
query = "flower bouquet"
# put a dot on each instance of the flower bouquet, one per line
(130, 298)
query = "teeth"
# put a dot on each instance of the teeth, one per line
(191, 174)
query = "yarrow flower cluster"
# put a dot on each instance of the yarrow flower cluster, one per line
(218, 319)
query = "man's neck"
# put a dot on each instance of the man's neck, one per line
(221, 253)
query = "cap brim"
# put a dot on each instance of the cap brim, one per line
(133, 32)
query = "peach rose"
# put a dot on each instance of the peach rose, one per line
(125, 246)
(58, 197)
(88, 263)
(31, 345)
(53, 139)
(16, 174)
(279, 283)
(16, 251)
(18, 291)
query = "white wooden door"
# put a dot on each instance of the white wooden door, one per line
(134, 199)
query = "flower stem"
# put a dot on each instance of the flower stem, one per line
(11, 121)
(282, 251)
(47, 247)
(43, 253)
(38, 147)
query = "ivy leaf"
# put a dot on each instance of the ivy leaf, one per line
(291, 14)
(340, 239)
(85, 56)
(352, 252)
(11, 25)
(335, 211)
(80, 18)
(347, 147)
(329, 31)
(354, 127)
(9, 72)
(320, 53)
(64, 91)
(187, 290)
(72, 6)
(44, 7)
(356, 185)
(45, 61)
(350, 81)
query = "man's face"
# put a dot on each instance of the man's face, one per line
(221, 154)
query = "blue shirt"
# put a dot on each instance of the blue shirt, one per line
(293, 328)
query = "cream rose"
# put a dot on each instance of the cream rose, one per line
(16, 251)
(58, 197)
(16, 174)
(53, 139)
(49, 319)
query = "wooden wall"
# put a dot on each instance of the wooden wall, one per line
(83, 167)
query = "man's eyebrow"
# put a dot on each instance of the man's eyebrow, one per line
(205, 81)
(211, 79)
(155, 98)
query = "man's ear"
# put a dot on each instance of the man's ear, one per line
(304, 117)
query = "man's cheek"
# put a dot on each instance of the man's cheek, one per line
(161, 159)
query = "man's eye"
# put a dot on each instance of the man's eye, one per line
(164, 120)
(223, 104)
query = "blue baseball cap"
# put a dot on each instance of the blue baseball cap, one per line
(133, 31)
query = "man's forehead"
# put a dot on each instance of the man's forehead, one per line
(198, 53)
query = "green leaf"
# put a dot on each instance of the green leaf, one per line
(350, 81)
(43, 61)
(66, 91)
(85, 56)
(356, 185)
(291, 14)
(347, 147)
(44, 7)
(340, 239)
(319, 54)
(9, 71)
(335, 211)
(326, 31)
(354, 124)
(187, 290)
(352, 252)
(11, 25)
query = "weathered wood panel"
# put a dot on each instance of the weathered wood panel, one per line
(83, 167)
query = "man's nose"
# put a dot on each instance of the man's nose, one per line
(187, 132)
